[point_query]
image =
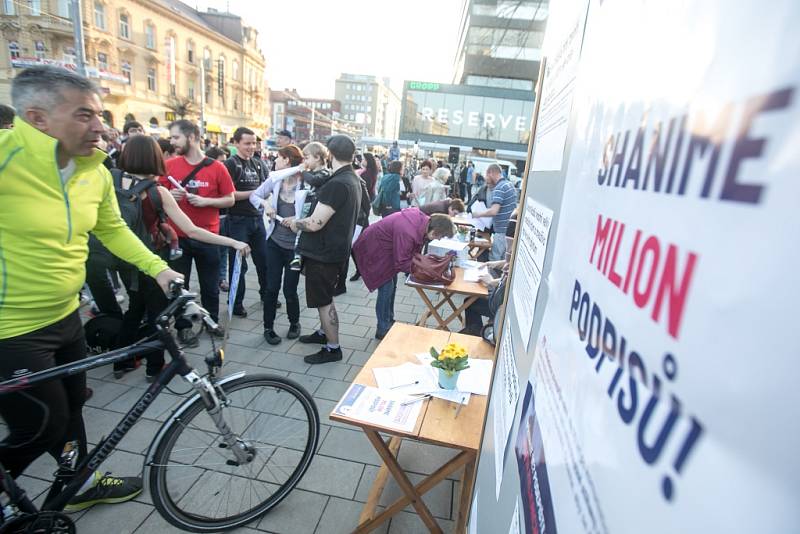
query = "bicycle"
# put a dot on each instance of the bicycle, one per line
(207, 458)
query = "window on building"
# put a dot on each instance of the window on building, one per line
(190, 51)
(39, 50)
(100, 15)
(8, 6)
(124, 26)
(190, 90)
(63, 8)
(236, 103)
(102, 61)
(127, 71)
(151, 79)
(13, 49)
(150, 36)
(207, 59)
(69, 55)
(36, 7)
(221, 77)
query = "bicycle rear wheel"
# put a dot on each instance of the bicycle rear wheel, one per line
(192, 480)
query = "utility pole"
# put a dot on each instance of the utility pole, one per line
(203, 98)
(77, 31)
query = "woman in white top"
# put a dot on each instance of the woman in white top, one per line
(421, 182)
(281, 196)
(437, 190)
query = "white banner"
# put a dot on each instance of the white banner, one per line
(664, 373)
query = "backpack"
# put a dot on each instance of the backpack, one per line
(130, 207)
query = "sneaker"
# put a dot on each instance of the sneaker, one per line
(106, 489)
(325, 355)
(355, 277)
(295, 264)
(187, 338)
(294, 331)
(271, 337)
(240, 313)
(379, 335)
(314, 337)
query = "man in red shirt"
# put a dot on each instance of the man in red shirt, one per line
(205, 187)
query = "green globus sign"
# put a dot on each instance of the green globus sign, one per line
(423, 86)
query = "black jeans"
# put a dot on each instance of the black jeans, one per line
(145, 299)
(97, 278)
(278, 260)
(42, 418)
(251, 231)
(474, 314)
(206, 258)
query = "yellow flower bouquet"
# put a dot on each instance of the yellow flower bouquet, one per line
(452, 359)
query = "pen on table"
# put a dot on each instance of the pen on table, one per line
(412, 401)
(404, 385)
(460, 404)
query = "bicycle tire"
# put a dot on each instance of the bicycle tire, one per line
(246, 394)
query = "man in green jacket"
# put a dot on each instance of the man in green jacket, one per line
(54, 190)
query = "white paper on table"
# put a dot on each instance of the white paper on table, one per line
(474, 275)
(474, 379)
(379, 407)
(410, 280)
(481, 223)
(412, 379)
(470, 264)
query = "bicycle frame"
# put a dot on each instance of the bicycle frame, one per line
(67, 483)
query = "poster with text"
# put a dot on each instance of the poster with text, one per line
(665, 366)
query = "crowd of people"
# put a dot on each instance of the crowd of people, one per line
(86, 204)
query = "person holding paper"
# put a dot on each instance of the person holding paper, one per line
(387, 247)
(205, 188)
(503, 202)
(282, 198)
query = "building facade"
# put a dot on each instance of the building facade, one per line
(153, 59)
(370, 104)
(500, 43)
(309, 119)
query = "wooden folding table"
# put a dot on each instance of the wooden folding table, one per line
(437, 424)
(471, 291)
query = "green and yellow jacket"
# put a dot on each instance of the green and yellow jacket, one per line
(44, 229)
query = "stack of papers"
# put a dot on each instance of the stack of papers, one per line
(481, 223)
(474, 275)
(415, 379)
(379, 407)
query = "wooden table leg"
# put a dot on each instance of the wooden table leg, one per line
(461, 459)
(368, 512)
(432, 311)
(457, 311)
(466, 495)
(402, 480)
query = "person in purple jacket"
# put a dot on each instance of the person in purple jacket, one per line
(387, 247)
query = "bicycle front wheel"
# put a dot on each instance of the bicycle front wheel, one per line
(195, 483)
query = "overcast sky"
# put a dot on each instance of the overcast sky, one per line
(308, 43)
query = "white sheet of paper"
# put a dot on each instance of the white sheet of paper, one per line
(473, 275)
(379, 407)
(529, 263)
(475, 379)
(481, 223)
(505, 397)
(411, 379)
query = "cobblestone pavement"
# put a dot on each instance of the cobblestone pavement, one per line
(329, 498)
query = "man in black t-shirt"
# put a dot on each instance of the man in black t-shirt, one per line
(325, 246)
(244, 220)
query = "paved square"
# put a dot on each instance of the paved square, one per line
(329, 498)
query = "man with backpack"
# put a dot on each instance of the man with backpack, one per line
(202, 187)
(244, 220)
